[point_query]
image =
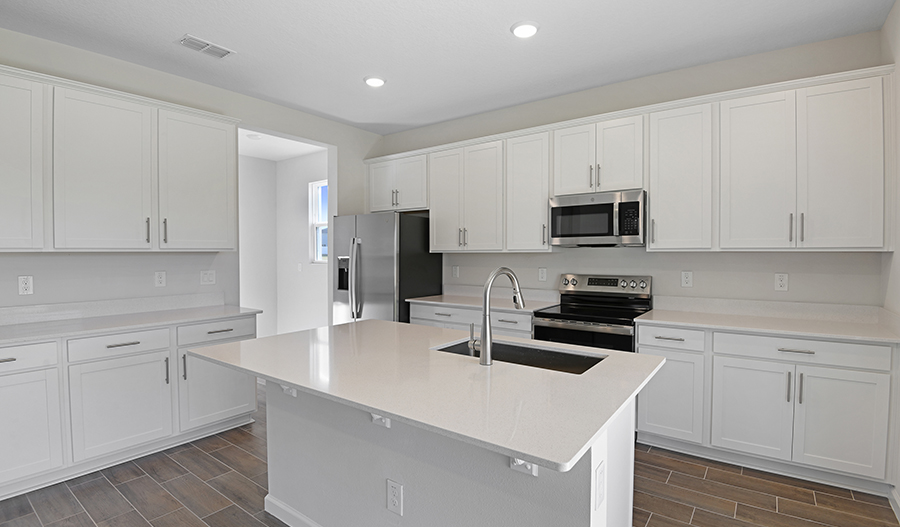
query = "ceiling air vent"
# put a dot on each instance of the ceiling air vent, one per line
(198, 44)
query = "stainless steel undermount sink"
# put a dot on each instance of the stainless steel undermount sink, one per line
(528, 356)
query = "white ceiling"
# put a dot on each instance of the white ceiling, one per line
(271, 147)
(442, 59)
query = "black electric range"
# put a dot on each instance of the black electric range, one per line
(595, 310)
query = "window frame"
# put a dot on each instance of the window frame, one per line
(315, 189)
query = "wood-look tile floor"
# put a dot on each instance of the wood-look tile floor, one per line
(221, 481)
(218, 481)
(673, 489)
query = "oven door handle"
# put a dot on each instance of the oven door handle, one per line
(606, 328)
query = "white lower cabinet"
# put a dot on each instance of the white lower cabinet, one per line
(672, 402)
(456, 316)
(31, 441)
(118, 403)
(209, 392)
(825, 417)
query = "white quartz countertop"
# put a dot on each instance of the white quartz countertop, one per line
(22, 333)
(546, 417)
(497, 303)
(856, 331)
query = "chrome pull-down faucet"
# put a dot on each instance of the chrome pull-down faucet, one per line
(486, 336)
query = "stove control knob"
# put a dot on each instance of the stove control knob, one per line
(574, 282)
(643, 284)
(633, 284)
(565, 281)
(623, 284)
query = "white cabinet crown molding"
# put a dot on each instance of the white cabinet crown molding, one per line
(60, 82)
(669, 105)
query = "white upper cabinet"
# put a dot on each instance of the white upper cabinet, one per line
(680, 192)
(21, 163)
(102, 171)
(758, 156)
(400, 184)
(840, 165)
(527, 192)
(606, 156)
(467, 198)
(197, 183)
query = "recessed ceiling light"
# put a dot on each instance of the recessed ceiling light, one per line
(374, 82)
(254, 137)
(524, 29)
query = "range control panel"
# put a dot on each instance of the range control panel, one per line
(581, 283)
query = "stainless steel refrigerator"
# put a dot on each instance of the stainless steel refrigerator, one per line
(380, 260)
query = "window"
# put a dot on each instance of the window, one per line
(318, 221)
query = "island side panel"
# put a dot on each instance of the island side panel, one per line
(328, 466)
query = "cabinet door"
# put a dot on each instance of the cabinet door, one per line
(102, 172)
(752, 406)
(840, 164)
(208, 392)
(119, 403)
(31, 441)
(620, 154)
(573, 160)
(445, 172)
(527, 192)
(671, 404)
(411, 183)
(21, 163)
(758, 172)
(483, 197)
(841, 420)
(680, 193)
(197, 183)
(381, 186)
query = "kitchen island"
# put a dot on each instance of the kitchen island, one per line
(455, 429)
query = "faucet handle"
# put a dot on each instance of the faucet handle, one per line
(473, 342)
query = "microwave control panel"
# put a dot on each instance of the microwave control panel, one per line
(630, 218)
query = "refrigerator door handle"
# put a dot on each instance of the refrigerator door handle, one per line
(353, 262)
(357, 296)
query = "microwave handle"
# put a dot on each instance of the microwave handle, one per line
(616, 218)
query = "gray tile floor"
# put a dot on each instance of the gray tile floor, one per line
(219, 481)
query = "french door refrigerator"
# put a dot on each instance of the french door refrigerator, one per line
(380, 260)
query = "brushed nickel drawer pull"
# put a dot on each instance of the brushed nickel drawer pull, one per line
(791, 350)
(184, 361)
(11, 359)
(165, 230)
(123, 345)
(148, 230)
(789, 387)
(674, 339)
(508, 321)
(167, 370)
(800, 389)
(219, 331)
(443, 314)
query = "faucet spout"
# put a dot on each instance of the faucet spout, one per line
(518, 301)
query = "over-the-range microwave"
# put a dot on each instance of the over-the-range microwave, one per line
(600, 219)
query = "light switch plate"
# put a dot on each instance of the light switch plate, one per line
(207, 277)
(455, 271)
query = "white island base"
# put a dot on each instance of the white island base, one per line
(329, 465)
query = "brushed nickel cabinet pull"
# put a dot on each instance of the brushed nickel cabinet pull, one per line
(165, 230)
(459, 238)
(167, 370)
(791, 350)
(652, 231)
(789, 387)
(11, 359)
(398, 197)
(674, 339)
(598, 176)
(508, 321)
(591, 176)
(544, 234)
(800, 387)
(219, 331)
(148, 230)
(791, 228)
(123, 345)
(802, 226)
(466, 237)
(443, 314)
(184, 362)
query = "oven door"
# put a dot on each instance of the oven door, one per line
(620, 338)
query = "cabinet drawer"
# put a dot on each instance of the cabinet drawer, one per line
(213, 331)
(18, 358)
(852, 355)
(678, 338)
(113, 345)
(445, 314)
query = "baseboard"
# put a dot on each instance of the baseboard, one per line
(287, 514)
(895, 501)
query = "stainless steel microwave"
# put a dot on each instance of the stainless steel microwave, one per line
(601, 219)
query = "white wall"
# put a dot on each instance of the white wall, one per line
(256, 196)
(85, 277)
(302, 294)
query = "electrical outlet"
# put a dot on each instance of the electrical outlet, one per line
(520, 465)
(781, 281)
(455, 271)
(687, 279)
(207, 277)
(299, 267)
(26, 285)
(599, 485)
(542, 274)
(159, 279)
(381, 420)
(395, 497)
